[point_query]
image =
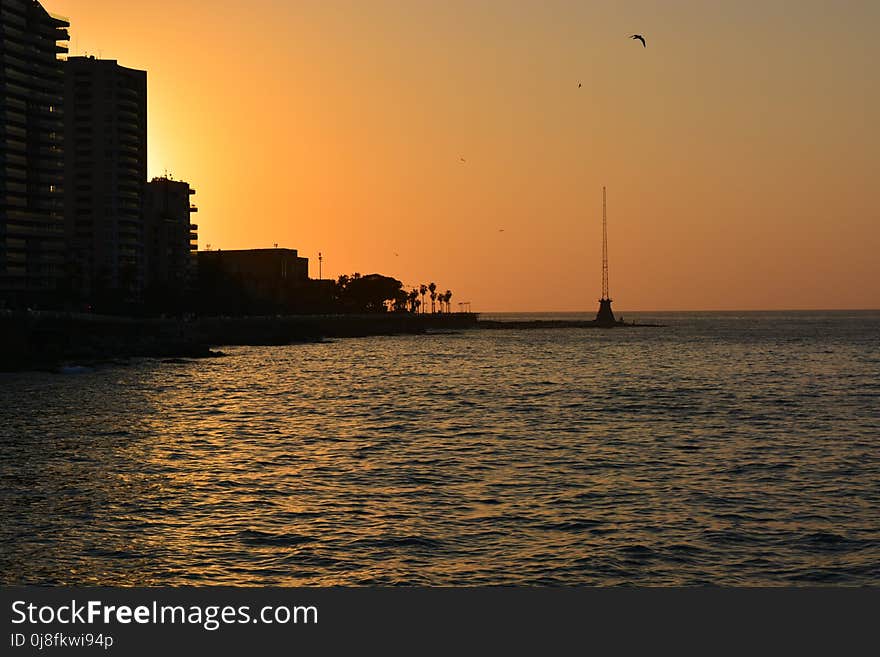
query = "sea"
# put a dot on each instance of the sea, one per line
(722, 449)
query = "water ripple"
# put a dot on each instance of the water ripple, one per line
(732, 450)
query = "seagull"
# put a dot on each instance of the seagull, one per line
(462, 160)
(640, 38)
(579, 85)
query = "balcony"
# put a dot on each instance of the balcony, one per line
(130, 105)
(128, 92)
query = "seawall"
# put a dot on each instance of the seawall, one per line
(43, 340)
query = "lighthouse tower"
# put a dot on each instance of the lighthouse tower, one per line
(605, 316)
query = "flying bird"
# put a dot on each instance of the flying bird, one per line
(462, 160)
(640, 38)
(579, 85)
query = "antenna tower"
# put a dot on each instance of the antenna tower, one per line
(604, 247)
(605, 316)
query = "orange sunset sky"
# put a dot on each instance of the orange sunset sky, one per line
(740, 149)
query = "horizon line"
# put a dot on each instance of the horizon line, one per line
(688, 310)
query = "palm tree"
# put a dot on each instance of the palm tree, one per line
(423, 290)
(413, 298)
(447, 297)
(433, 288)
(341, 283)
(399, 303)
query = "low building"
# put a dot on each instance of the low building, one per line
(251, 281)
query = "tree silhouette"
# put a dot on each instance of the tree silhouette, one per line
(423, 290)
(447, 297)
(433, 288)
(370, 293)
(412, 297)
(400, 299)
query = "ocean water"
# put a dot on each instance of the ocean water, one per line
(724, 449)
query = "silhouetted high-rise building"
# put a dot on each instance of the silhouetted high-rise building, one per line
(31, 153)
(106, 170)
(170, 240)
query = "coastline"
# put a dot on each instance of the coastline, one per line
(50, 340)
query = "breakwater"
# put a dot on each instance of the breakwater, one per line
(43, 340)
(492, 324)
